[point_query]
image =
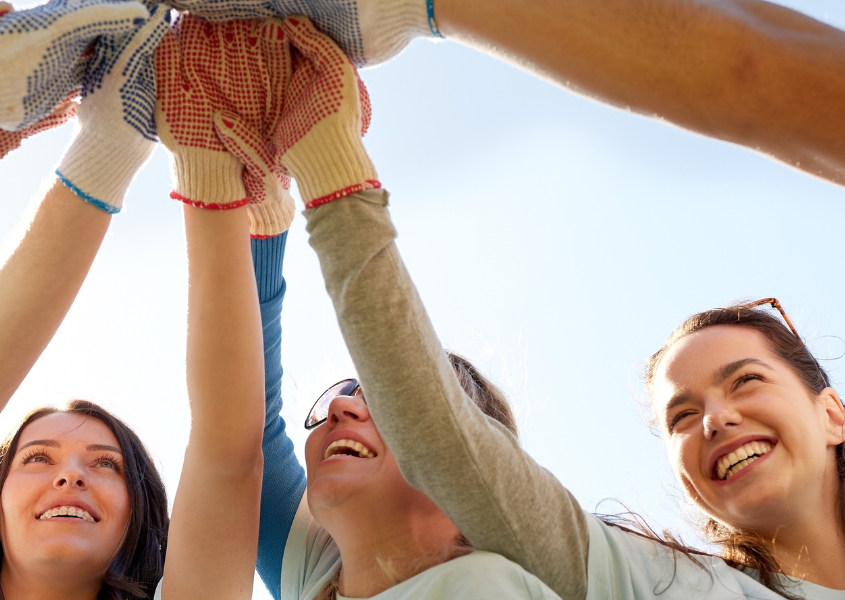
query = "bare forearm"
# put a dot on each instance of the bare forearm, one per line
(224, 356)
(214, 527)
(744, 71)
(40, 280)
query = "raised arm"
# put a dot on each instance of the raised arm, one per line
(214, 526)
(40, 280)
(744, 71)
(284, 478)
(471, 466)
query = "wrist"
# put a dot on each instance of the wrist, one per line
(391, 26)
(330, 167)
(208, 179)
(99, 166)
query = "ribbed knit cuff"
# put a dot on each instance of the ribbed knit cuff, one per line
(99, 165)
(390, 26)
(267, 257)
(271, 217)
(328, 165)
(208, 179)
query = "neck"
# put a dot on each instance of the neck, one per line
(62, 585)
(814, 552)
(809, 543)
(377, 551)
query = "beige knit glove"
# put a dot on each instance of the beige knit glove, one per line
(326, 112)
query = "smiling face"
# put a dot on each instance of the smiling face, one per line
(65, 503)
(752, 446)
(349, 466)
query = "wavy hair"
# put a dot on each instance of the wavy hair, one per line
(138, 564)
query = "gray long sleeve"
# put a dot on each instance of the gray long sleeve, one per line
(468, 463)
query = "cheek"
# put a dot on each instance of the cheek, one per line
(312, 449)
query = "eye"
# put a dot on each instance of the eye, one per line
(675, 420)
(743, 379)
(108, 461)
(36, 456)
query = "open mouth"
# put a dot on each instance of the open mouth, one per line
(732, 463)
(348, 448)
(72, 512)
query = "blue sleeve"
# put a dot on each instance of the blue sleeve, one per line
(284, 478)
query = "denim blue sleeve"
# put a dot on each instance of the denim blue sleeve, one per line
(284, 478)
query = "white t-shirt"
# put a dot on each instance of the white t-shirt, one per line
(312, 558)
(624, 566)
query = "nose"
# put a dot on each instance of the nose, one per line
(719, 416)
(71, 477)
(347, 408)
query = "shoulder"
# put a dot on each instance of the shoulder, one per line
(622, 565)
(311, 556)
(479, 575)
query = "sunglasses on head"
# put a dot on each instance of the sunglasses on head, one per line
(320, 411)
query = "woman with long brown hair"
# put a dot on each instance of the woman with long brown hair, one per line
(753, 428)
(84, 512)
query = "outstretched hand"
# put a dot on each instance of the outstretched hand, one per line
(42, 48)
(368, 31)
(117, 133)
(235, 67)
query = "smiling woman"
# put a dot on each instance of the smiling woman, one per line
(755, 434)
(83, 503)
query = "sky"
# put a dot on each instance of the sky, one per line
(555, 242)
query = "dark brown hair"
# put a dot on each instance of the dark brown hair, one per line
(746, 549)
(492, 403)
(137, 566)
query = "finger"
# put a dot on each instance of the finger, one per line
(317, 47)
(278, 69)
(245, 143)
(366, 107)
(146, 39)
(5, 8)
(93, 19)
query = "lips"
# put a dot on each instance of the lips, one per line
(71, 510)
(346, 443)
(731, 458)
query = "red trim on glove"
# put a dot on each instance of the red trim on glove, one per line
(369, 184)
(207, 206)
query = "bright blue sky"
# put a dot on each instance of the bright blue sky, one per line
(555, 241)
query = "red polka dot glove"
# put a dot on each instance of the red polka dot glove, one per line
(11, 140)
(271, 207)
(327, 111)
(202, 68)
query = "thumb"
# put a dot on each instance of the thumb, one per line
(5, 8)
(245, 143)
(315, 46)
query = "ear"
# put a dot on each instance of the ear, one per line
(835, 416)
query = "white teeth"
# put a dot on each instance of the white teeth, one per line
(67, 511)
(740, 458)
(336, 446)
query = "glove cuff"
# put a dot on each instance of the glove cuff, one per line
(390, 26)
(208, 179)
(99, 165)
(328, 166)
(271, 217)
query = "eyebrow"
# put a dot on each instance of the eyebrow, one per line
(56, 444)
(719, 376)
(725, 371)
